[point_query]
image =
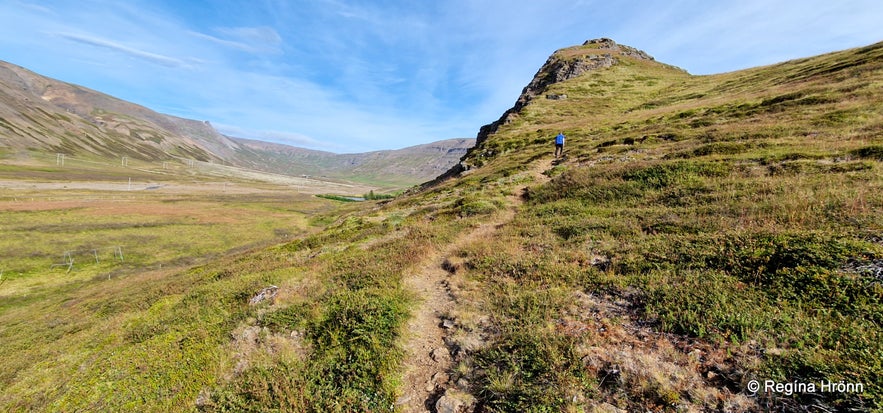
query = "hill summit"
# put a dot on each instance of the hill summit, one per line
(563, 65)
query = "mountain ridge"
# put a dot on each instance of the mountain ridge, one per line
(40, 113)
(57, 116)
(412, 165)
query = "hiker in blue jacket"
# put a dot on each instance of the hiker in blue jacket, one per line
(559, 145)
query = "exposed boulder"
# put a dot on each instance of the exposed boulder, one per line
(455, 401)
(266, 294)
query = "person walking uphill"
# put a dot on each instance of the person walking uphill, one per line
(559, 145)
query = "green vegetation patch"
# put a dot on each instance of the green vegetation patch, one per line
(472, 206)
(354, 357)
(674, 173)
(531, 371)
(340, 198)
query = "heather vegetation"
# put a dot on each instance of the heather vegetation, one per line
(701, 232)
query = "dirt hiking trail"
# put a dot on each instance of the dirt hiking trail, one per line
(620, 346)
(428, 359)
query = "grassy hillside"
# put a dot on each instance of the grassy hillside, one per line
(739, 213)
(47, 115)
(702, 232)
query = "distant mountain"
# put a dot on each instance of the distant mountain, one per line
(43, 114)
(407, 166)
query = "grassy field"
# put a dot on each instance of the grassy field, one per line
(89, 262)
(106, 233)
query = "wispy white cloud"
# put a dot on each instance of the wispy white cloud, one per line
(130, 51)
(260, 39)
(33, 6)
(288, 138)
(225, 42)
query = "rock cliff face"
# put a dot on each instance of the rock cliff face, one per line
(563, 65)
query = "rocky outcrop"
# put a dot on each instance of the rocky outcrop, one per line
(563, 65)
(607, 44)
(266, 294)
(454, 401)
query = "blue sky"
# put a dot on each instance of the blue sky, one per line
(353, 76)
